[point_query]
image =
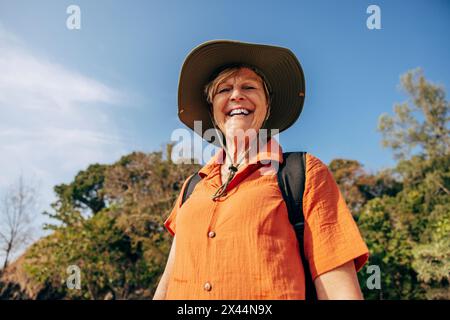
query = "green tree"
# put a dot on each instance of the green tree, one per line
(108, 222)
(80, 199)
(358, 186)
(421, 122)
(407, 233)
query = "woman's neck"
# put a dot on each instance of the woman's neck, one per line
(237, 150)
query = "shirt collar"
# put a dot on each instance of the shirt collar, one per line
(270, 152)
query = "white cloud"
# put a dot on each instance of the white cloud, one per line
(53, 121)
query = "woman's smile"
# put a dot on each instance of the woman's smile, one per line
(240, 102)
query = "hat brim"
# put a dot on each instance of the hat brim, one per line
(279, 66)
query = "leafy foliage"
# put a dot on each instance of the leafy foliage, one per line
(407, 233)
(428, 130)
(109, 224)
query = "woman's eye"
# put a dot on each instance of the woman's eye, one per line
(223, 90)
(249, 87)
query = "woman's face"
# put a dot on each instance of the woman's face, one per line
(240, 103)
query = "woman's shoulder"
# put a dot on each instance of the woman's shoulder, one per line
(314, 164)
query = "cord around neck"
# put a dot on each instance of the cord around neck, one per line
(233, 168)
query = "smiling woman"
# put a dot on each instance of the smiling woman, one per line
(233, 233)
(240, 100)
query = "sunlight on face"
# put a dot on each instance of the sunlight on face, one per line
(240, 103)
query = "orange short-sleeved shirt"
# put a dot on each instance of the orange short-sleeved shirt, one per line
(243, 246)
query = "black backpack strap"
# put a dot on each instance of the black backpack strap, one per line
(193, 180)
(291, 180)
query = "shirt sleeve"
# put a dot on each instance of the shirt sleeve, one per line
(331, 237)
(171, 221)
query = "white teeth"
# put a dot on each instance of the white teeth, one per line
(239, 111)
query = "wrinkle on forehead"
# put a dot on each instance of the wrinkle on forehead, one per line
(243, 75)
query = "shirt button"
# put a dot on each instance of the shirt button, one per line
(207, 286)
(211, 234)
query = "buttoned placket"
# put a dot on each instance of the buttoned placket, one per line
(212, 233)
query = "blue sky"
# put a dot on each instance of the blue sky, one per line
(76, 97)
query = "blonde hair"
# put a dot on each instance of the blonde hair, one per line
(211, 88)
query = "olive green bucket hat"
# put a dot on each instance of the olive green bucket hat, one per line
(279, 66)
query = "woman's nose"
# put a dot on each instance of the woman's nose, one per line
(236, 95)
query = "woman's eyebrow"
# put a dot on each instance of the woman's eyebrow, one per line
(246, 80)
(227, 81)
(252, 79)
